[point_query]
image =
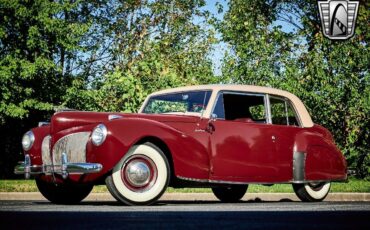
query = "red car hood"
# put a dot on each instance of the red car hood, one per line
(64, 120)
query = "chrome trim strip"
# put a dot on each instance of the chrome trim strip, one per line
(268, 109)
(246, 182)
(114, 117)
(43, 123)
(299, 166)
(45, 151)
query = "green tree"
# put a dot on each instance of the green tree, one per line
(331, 77)
(153, 45)
(39, 45)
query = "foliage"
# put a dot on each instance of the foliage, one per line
(104, 55)
(38, 42)
(154, 45)
(331, 77)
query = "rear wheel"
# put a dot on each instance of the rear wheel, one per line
(63, 193)
(230, 194)
(141, 176)
(312, 192)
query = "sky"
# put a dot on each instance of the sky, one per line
(220, 48)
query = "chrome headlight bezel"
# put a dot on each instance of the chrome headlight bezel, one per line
(99, 134)
(27, 140)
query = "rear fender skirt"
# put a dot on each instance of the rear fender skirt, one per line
(299, 166)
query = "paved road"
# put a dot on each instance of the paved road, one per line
(185, 215)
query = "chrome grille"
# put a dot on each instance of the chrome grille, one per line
(45, 151)
(74, 145)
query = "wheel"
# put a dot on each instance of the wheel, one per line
(312, 192)
(141, 176)
(230, 194)
(63, 193)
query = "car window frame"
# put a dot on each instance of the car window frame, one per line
(265, 100)
(210, 91)
(289, 102)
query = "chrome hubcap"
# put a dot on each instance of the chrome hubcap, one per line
(138, 173)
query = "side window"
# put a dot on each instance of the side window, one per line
(241, 107)
(282, 112)
(258, 112)
(219, 108)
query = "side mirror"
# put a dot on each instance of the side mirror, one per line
(213, 117)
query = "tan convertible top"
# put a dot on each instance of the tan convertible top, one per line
(297, 103)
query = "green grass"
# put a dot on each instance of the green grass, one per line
(354, 185)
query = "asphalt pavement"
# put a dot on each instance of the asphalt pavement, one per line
(185, 212)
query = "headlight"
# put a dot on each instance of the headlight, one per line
(27, 140)
(99, 134)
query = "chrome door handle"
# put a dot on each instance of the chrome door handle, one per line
(273, 138)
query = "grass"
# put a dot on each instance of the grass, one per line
(354, 185)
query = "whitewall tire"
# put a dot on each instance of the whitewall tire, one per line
(141, 176)
(312, 192)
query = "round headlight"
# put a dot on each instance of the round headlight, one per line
(99, 134)
(27, 140)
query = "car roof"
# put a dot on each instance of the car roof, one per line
(303, 114)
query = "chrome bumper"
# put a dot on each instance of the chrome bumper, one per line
(25, 167)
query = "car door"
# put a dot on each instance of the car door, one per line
(242, 144)
(285, 127)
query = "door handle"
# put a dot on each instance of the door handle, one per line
(273, 138)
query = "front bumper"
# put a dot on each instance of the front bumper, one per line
(25, 167)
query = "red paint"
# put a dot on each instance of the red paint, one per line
(234, 151)
(35, 152)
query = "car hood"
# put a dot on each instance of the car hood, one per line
(64, 120)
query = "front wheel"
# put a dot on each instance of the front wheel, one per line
(141, 176)
(230, 194)
(63, 193)
(312, 192)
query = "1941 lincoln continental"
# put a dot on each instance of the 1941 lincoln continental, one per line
(220, 136)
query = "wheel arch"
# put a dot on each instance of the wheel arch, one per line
(164, 148)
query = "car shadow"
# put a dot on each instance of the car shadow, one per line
(169, 202)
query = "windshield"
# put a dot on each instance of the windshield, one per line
(188, 102)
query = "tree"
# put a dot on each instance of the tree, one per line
(153, 45)
(331, 77)
(39, 42)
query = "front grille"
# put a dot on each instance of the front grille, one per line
(45, 151)
(74, 145)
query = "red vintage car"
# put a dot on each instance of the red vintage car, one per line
(220, 136)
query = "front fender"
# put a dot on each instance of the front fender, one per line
(190, 156)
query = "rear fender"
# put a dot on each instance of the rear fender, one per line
(323, 161)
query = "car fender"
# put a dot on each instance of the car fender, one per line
(321, 159)
(190, 157)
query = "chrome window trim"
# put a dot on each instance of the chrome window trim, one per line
(141, 110)
(268, 109)
(240, 93)
(286, 100)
